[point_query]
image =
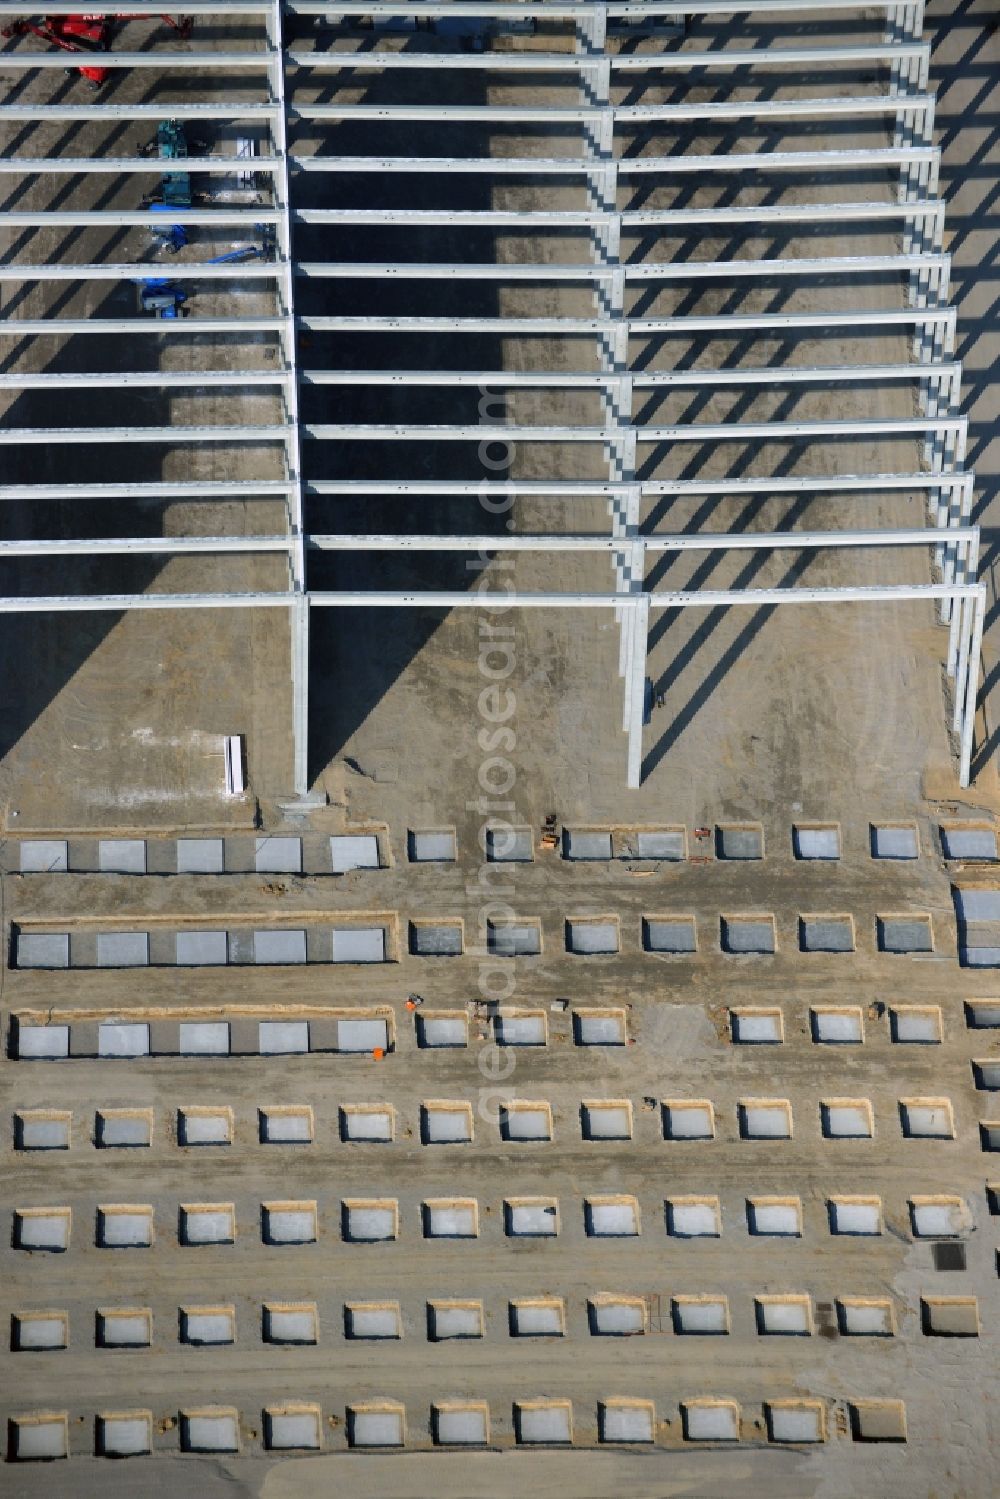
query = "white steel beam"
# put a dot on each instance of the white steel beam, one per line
(733, 324)
(212, 8)
(97, 603)
(37, 114)
(703, 598)
(144, 379)
(60, 327)
(238, 490)
(161, 58)
(693, 432)
(860, 105)
(783, 484)
(143, 546)
(686, 270)
(144, 218)
(188, 270)
(627, 166)
(121, 165)
(81, 436)
(701, 541)
(828, 214)
(624, 10)
(620, 62)
(640, 379)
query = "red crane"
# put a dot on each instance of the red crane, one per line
(86, 33)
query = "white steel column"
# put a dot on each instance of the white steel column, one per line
(613, 337)
(298, 615)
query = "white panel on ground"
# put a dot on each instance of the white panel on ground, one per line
(125, 1228)
(207, 1326)
(592, 936)
(614, 1318)
(36, 1330)
(816, 843)
(537, 1319)
(210, 1431)
(795, 1421)
(123, 1329)
(204, 1127)
(283, 945)
(200, 856)
(369, 1221)
(701, 1314)
(668, 844)
(513, 845)
(126, 1435)
(123, 1039)
(622, 1422)
(600, 1028)
(774, 1217)
(43, 950)
(122, 949)
(368, 1123)
(920, 1024)
(42, 1041)
(288, 1427)
(525, 1122)
(587, 845)
(282, 1037)
(711, 1421)
(837, 1026)
(432, 847)
(515, 939)
(358, 851)
(685, 1119)
(39, 1438)
(611, 1217)
(968, 843)
(122, 855)
(44, 856)
(461, 1425)
(204, 1038)
(201, 949)
(289, 1223)
(544, 1423)
(855, 1216)
(373, 1319)
(277, 855)
(513, 1029)
(443, 1030)
(790, 1317)
(124, 1128)
(607, 1121)
(42, 1228)
(450, 1220)
(892, 842)
(375, 1428)
(286, 1126)
(362, 1035)
(359, 944)
(693, 1219)
(208, 1223)
(455, 1319)
(286, 1323)
(532, 1219)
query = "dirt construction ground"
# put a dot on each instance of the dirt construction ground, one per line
(762, 721)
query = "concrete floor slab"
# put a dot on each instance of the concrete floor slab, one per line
(200, 855)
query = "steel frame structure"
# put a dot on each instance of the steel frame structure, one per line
(600, 119)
